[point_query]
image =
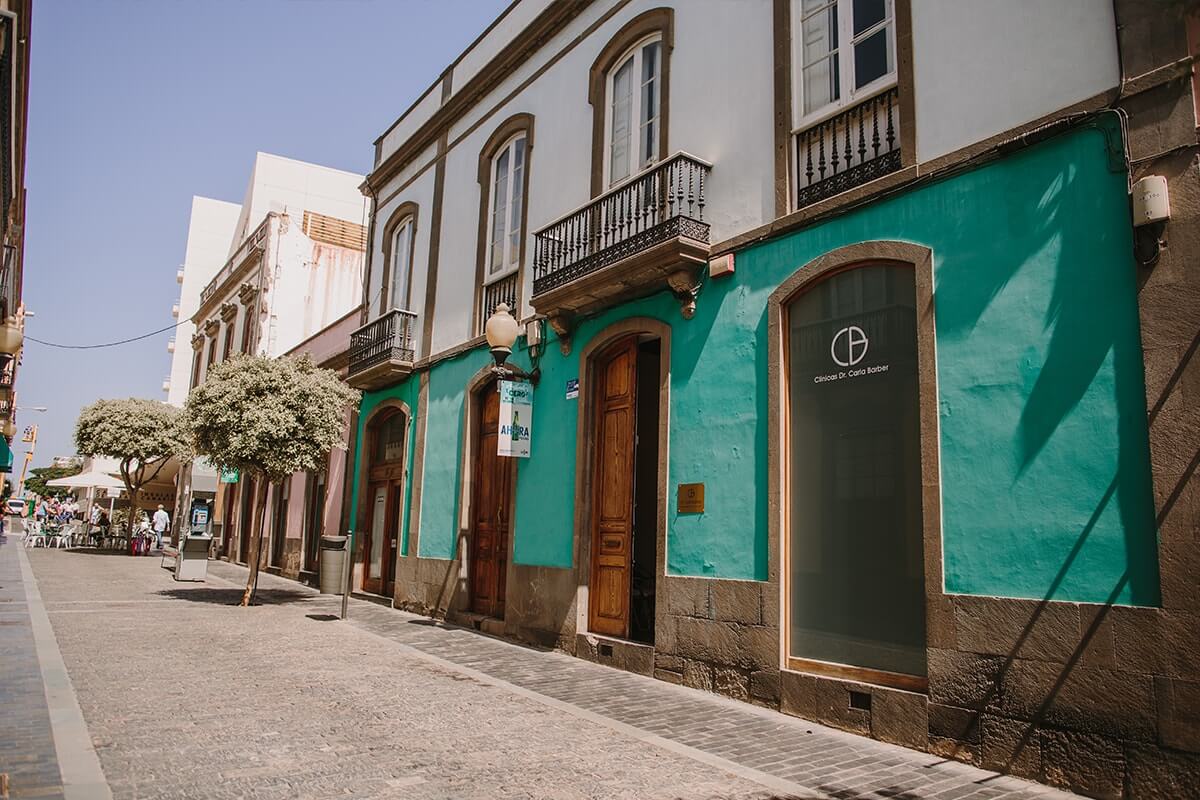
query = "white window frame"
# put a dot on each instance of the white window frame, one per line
(397, 270)
(847, 94)
(634, 53)
(511, 261)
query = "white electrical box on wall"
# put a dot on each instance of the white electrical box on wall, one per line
(720, 266)
(1151, 203)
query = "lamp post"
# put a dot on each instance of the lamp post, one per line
(30, 437)
(501, 330)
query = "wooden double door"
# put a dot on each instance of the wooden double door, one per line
(624, 505)
(491, 499)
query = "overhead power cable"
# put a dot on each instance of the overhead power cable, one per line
(106, 344)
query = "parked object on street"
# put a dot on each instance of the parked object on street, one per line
(333, 555)
(191, 558)
(15, 507)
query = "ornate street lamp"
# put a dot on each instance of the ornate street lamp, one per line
(501, 330)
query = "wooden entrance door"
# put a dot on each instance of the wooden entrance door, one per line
(491, 490)
(384, 503)
(379, 547)
(612, 501)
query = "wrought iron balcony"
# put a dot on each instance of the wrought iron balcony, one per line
(381, 352)
(857, 145)
(645, 234)
(502, 290)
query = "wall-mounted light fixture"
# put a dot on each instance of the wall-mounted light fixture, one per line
(501, 330)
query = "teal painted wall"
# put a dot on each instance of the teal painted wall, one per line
(1044, 450)
(440, 490)
(408, 392)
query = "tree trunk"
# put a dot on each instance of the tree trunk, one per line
(256, 542)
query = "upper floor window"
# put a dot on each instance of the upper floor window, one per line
(228, 347)
(505, 208)
(400, 266)
(846, 49)
(634, 108)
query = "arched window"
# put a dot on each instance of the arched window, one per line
(503, 188)
(629, 89)
(389, 440)
(395, 291)
(634, 92)
(400, 269)
(505, 208)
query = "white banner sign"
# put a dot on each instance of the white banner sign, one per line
(516, 418)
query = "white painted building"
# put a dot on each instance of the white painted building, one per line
(292, 266)
(263, 276)
(210, 231)
(723, 81)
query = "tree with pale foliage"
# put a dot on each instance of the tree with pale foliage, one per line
(141, 434)
(267, 418)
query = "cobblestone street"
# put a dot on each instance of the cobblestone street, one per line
(186, 696)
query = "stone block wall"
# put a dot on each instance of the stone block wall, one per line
(719, 635)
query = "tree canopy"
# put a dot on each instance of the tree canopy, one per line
(135, 430)
(36, 482)
(271, 416)
(141, 434)
(267, 416)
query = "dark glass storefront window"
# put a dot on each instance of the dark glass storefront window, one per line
(855, 555)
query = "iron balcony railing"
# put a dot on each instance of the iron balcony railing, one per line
(660, 203)
(256, 240)
(389, 338)
(503, 290)
(857, 145)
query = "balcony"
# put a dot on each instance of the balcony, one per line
(381, 352)
(501, 290)
(643, 235)
(855, 146)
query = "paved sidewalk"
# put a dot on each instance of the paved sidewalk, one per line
(791, 756)
(26, 739)
(44, 747)
(187, 696)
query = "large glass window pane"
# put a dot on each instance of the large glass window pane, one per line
(820, 84)
(499, 211)
(648, 138)
(868, 13)
(620, 112)
(517, 186)
(819, 34)
(872, 58)
(378, 515)
(856, 581)
(401, 246)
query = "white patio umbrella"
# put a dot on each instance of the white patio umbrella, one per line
(88, 480)
(91, 480)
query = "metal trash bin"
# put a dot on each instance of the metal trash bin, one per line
(333, 562)
(191, 558)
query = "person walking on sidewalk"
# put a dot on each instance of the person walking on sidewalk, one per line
(162, 523)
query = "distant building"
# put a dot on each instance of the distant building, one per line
(292, 264)
(63, 462)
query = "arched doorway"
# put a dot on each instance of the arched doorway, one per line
(853, 531)
(492, 477)
(624, 520)
(387, 450)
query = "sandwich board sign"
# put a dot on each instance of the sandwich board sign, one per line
(516, 419)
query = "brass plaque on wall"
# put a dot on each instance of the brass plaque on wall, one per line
(691, 498)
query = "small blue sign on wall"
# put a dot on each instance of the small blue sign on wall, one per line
(572, 388)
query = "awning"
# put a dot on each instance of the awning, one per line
(85, 480)
(6, 456)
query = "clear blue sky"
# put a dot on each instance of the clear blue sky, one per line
(136, 106)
